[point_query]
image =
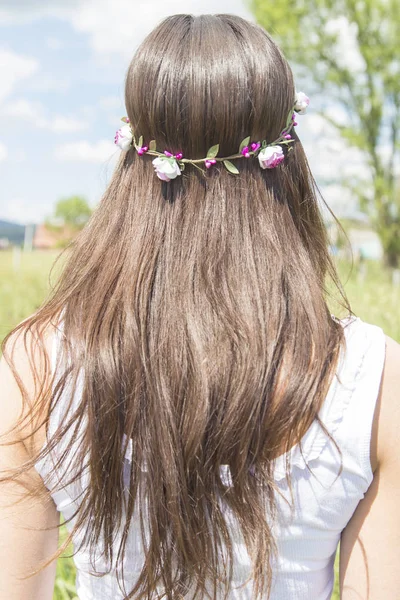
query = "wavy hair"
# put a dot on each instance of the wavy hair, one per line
(195, 313)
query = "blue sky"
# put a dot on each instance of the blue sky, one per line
(62, 69)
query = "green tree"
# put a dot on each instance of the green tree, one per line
(70, 216)
(72, 212)
(350, 48)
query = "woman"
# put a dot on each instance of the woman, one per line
(184, 397)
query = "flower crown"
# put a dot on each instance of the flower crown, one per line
(168, 166)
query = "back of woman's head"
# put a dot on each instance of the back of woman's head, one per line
(196, 311)
(198, 81)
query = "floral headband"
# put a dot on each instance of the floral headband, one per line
(169, 166)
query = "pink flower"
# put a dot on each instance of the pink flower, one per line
(270, 157)
(252, 148)
(302, 102)
(123, 137)
(142, 150)
(178, 156)
(209, 162)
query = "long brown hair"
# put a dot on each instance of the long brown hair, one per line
(195, 312)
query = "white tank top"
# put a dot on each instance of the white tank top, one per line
(307, 537)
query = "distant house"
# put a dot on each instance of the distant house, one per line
(44, 239)
(37, 237)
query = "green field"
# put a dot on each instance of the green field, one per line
(24, 283)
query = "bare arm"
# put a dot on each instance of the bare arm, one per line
(23, 543)
(369, 554)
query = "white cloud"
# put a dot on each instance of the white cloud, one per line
(18, 210)
(17, 156)
(97, 19)
(338, 113)
(84, 151)
(65, 124)
(346, 51)
(333, 160)
(34, 113)
(50, 83)
(118, 26)
(111, 102)
(3, 152)
(113, 107)
(13, 68)
(20, 155)
(54, 43)
(339, 199)
(21, 109)
(14, 12)
(331, 157)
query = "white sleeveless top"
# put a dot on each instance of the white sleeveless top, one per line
(307, 537)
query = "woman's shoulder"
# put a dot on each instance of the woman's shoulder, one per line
(25, 367)
(392, 364)
(386, 426)
(375, 360)
(368, 391)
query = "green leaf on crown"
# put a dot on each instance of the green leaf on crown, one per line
(140, 143)
(244, 143)
(125, 119)
(153, 146)
(230, 167)
(213, 151)
(289, 119)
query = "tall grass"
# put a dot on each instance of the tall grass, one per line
(372, 295)
(24, 283)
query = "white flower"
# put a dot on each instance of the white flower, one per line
(270, 157)
(302, 102)
(166, 168)
(123, 137)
